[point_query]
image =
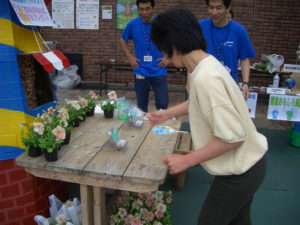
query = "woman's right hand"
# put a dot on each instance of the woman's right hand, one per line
(157, 117)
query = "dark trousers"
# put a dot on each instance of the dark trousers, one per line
(229, 199)
(160, 89)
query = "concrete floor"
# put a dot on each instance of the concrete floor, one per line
(176, 97)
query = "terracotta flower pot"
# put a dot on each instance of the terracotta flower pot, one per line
(34, 151)
(91, 112)
(108, 113)
(51, 156)
(67, 139)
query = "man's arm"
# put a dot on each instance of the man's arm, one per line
(132, 59)
(245, 66)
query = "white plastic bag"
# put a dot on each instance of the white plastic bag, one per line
(274, 62)
(40, 220)
(55, 205)
(67, 78)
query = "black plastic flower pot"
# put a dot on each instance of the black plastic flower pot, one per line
(90, 113)
(34, 151)
(51, 156)
(67, 139)
(108, 113)
(76, 122)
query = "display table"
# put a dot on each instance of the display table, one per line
(86, 161)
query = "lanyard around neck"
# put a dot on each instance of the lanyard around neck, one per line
(219, 48)
(146, 38)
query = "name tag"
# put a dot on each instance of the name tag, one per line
(147, 58)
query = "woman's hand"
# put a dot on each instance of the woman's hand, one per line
(157, 117)
(176, 163)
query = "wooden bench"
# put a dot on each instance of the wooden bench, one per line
(183, 146)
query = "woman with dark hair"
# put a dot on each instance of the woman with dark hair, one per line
(225, 139)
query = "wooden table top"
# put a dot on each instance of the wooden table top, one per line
(137, 167)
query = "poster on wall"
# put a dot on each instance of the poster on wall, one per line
(107, 12)
(87, 14)
(126, 11)
(284, 107)
(33, 13)
(251, 103)
(63, 14)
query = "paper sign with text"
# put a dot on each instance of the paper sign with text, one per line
(284, 107)
(33, 13)
(251, 103)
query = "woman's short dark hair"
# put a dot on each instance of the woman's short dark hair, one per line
(225, 2)
(179, 29)
(145, 1)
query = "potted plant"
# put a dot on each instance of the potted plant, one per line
(54, 122)
(109, 105)
(142, 208)
(29, 138)
(75, 115)
(51, 140)
(92, 99)
(64, 117)
(84, 107)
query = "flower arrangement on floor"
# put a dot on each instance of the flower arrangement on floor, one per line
(151, 208)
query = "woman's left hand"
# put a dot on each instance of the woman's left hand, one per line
(176, 163)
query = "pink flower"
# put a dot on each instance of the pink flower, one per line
(51, 110)
(44, 117)
(149, 201)
(159, 213)
(93, 95)
(59, 133)
(151, 216)
(136, 221)
(83, 102)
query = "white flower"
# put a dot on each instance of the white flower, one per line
(38, 128)
(104, 103)
(122, 212)
(161, 207)
(113, 220)
(112, 95)
(76, 105)
(60, 219)
(159, 194)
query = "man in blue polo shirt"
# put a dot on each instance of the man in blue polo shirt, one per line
(228, 41)
(148, 63)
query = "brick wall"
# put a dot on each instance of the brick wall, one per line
(276, 29)
(22, 196)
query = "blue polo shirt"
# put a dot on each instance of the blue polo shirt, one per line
(135, 31)
(228, 44)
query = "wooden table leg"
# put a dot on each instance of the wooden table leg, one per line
(86, 198)
(99, 206)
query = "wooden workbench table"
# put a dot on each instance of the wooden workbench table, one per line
(86, 161)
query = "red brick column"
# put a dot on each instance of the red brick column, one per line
(22, 196)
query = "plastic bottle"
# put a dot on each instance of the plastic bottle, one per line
(276, 81)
